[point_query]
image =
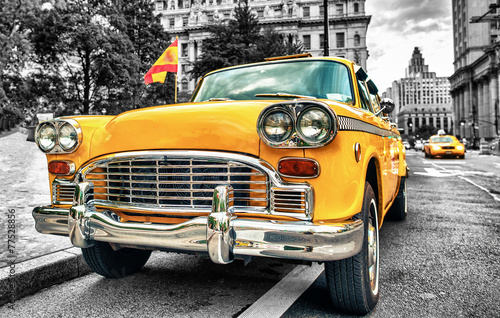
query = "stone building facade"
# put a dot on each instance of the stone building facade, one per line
(475, 82)
(348, 24)
(421, 98)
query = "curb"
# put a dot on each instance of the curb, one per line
(22, 279)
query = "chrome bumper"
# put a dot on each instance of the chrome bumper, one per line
(221, 234)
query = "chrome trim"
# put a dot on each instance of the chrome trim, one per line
(299, 158)
(295, 109)
(78, 230)
(57, 124)
(297, 240)
(63, 189)
(274, 182)
(220, 233)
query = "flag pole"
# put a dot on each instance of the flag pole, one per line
(175, 96)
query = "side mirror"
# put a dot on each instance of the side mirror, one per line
(387, 105)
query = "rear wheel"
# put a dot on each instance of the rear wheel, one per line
(353, 282)
(107, 262)
(399, 208)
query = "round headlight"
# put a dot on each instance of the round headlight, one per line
(277, 126)
(46, 137)
(314, 125)
(68, 137)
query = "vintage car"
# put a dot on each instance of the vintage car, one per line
(291, 158)
(444, 146)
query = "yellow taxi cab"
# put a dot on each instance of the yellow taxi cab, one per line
(444, 146)
(293, 158)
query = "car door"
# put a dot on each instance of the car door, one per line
(388, 150)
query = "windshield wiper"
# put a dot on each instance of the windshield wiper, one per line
(280, 94)
(219, 99)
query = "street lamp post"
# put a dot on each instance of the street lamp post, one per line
(326, 48)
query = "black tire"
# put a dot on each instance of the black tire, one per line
(399, 208)
(351, 288)
(426, 155)
(107, 262)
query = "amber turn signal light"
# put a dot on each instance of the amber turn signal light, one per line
(298, 167)
(61, 167)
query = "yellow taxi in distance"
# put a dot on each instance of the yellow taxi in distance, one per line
(293, 158)
(444, 146)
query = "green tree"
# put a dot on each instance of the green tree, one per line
(14, 44)
(241, 41)
(149, 40)
(84, 43)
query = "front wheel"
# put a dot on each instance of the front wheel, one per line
(353, 282)
(107, 262)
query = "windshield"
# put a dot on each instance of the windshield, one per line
(441, 139)
(319, 79)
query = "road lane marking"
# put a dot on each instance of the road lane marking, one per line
(278, 299)
(496, 198)
(460, 175)
(431, 172)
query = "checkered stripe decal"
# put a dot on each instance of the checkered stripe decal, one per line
(351, 124)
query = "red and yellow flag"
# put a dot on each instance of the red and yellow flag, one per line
(167, 62)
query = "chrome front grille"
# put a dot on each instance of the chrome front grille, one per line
(63, 192)
(176, 182)
(287, 201)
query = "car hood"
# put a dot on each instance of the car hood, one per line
(225, 126)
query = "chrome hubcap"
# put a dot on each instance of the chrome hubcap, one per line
(373, 269)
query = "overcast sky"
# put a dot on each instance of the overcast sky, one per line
(397, 26)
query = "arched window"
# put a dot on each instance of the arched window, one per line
(357, 40)
(184, 85)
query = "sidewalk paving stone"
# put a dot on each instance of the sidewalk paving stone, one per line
(35, 260)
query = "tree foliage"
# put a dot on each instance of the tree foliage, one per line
(14, 44)
(100, 51)
(241, 41)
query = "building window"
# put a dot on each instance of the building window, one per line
(159, 6)
(321, 41)
(340, 40)
(184, 85)
(356, 7)
(171, 23)
(339, 9)
(260, 13)
(307, 41)
(184, 49)
(184, 21)
(321, 11)
(357, 40)
(306, 12)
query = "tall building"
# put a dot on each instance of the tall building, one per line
(348, 23)
(421, 98)
(474, 84)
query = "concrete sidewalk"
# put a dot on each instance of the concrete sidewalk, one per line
(30, 261)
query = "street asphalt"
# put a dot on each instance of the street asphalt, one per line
(30, 261)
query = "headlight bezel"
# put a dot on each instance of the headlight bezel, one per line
(57, 125)
(296, 109)
(40, 128)
(301, 133)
